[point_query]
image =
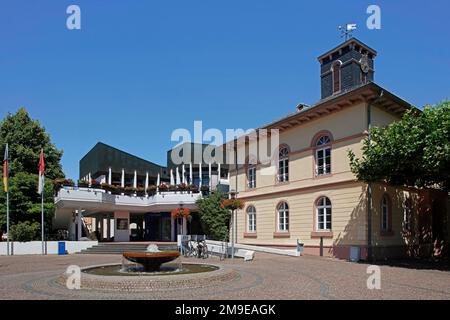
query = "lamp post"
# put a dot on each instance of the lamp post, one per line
(232, 194)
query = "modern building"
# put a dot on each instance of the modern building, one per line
(137, 208)
(313, 197)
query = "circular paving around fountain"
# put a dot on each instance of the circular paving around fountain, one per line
(148, 282)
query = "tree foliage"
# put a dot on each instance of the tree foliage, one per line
(25, 231)
(25, 138)
(414, 151)
(215, 219)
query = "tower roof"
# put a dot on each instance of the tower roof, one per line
(346, 43)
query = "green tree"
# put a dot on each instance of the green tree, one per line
(25, 138)
(414, 151)
(215, 219)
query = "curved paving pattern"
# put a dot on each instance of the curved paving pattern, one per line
(267, 277)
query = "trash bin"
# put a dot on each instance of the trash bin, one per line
(61, 247)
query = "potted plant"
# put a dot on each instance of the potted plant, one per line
(163, 187)
(61, 182)
(129, 191)
(151, 190)
(193, 188)
(182, 187)
(232, 204)
(95, 184)
(140, 191)
(181, 213)
(172, 188)
(83, 184)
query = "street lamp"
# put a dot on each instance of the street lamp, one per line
(232, 194)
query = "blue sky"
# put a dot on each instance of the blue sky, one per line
(139, 69)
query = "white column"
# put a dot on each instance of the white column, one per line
(173, 237)
(228, 177)
(158, 181)
(79, 224)
(218, 172)
(209, 174)
(146, 181)
(177, 176)
(108, 227)
(200, 174)
(122, 179)
(89, 179)
(190, 173)
(109, 176)
(135, 179)
(183, 172)
(172, 182)
(184, 227)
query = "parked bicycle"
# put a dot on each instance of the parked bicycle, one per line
(202, 249)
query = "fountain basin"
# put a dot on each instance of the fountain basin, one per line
(151, 261)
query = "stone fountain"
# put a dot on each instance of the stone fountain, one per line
(152, 259)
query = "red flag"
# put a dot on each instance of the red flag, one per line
(41, 172)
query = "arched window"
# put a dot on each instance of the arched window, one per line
(323, 155)
(283, 217)
(323, 207)
(251, 219)
(385, 213)
(283, 165)
(336, 76)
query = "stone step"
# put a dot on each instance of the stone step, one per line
(118, 248)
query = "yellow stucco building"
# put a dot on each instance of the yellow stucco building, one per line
(313, 197)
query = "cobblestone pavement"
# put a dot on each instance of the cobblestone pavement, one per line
(267, 277)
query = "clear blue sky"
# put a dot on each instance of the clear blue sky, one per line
(139, 69)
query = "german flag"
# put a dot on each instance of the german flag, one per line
(5, 170)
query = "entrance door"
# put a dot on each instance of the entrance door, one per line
(158, 227)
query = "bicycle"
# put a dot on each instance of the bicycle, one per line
(202, 249)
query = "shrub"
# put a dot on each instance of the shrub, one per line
(25, 231)
(163, 187)
(214, 219)
(83, 184)
(151, 190)
(140, 192)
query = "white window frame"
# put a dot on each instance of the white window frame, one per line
(283, 165)
(327, 212)
(251, 219)
(251, 177)
(283, 217)
(385, 213)
(323, 145)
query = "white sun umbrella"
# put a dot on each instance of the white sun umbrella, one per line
(177, 176)
(183, 172)
(199, 174)
(172, 182)
(190, 173)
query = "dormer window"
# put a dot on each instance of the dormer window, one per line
(336, 69)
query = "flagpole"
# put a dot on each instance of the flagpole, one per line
(42, 221)
(7, 211)
(7, 199)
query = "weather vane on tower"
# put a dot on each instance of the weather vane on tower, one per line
(347, 30)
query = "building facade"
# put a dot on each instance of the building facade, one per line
(120, 197)
(314, 198)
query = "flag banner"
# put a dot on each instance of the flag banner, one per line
(41, 173)
(5, 170)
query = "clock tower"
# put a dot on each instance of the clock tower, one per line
(345, 67)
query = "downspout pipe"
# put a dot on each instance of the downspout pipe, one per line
(369, 186)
